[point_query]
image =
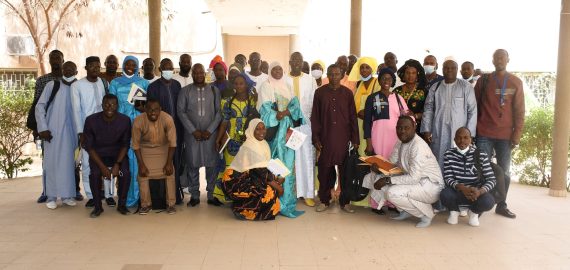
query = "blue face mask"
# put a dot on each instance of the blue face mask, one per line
(68, 79)
(365, 79)
(167, 74)
(429, 69)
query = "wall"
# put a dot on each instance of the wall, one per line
(125, 32)
(271, 48)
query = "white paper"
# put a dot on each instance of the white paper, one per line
(136, 93)
(278, 168)
(225, 143)
(296, 139)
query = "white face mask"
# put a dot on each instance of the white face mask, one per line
(68, 79)
(464, 151)
(128, 76)
(317, 73)
(476, 77)
(470, 78)
(365, 79)
(429, 69)
(167, 74)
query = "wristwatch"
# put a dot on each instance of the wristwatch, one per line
(388, 180)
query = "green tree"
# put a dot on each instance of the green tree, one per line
(535, 152)
(13, 132)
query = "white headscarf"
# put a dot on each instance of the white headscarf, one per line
(272, 86)
(253, 153)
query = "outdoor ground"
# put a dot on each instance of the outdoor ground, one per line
(34, 237)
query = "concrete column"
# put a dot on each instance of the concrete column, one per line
(154, 25)
(355, 26)
(293, 43)
(561, 130)
(226, 55)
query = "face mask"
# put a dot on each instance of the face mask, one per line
(167, 74)
(317, 73)
(128, 76)
(429, 69)
(476, 77)
(366, 79)
(470, 78)
(462, 151)
(68, 79)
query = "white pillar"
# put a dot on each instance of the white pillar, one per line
(561, 130)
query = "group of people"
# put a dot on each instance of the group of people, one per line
(235, 120)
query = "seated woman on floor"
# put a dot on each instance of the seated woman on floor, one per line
(253, 189)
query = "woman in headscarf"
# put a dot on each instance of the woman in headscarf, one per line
(236, 110)
(121, 87)
(280, 110)
(253, 189)
(413, 90)
(366, 85)
(220, 73)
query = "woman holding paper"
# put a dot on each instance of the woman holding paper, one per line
(253, 189)
(122, 87)
(280, 109)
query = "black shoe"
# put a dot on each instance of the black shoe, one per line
(78, 197)
(394, 209)
(110, 202)
(505, 212)
(379, 212)
(144, 210)
(90, 203)
(179, 202)
(123, 210)
(42, 199)
(193, 202)
(215, 202)
(96, 213)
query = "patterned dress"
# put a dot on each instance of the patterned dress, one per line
(235, 112)
(415, 100)
(252, 198)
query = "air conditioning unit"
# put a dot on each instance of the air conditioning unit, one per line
(19, 45)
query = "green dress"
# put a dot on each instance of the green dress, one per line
(278, 149)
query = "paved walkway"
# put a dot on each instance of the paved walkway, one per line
(34, 237)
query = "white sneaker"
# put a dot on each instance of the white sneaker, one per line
(69, 202)
(473, 219)
(425, 221)
(463, 211)
(403, 215)
(186, 190)
(453, 217)
(51, 205)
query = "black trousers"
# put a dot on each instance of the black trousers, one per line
(177, 160)
(452, 199)
(327, 179)
(96, 179)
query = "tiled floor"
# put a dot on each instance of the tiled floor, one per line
(34, 237)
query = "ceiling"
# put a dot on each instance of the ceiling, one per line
(258, 17)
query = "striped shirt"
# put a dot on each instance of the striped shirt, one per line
(461, 169)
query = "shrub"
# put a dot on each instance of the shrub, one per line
(535, 151)
(14, 106)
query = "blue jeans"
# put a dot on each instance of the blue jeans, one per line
(452, 199)
(501, 150)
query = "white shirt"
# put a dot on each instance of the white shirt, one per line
(307, 87)
(86, 99)
(153, 79)
(258, 79)
(184, 81)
